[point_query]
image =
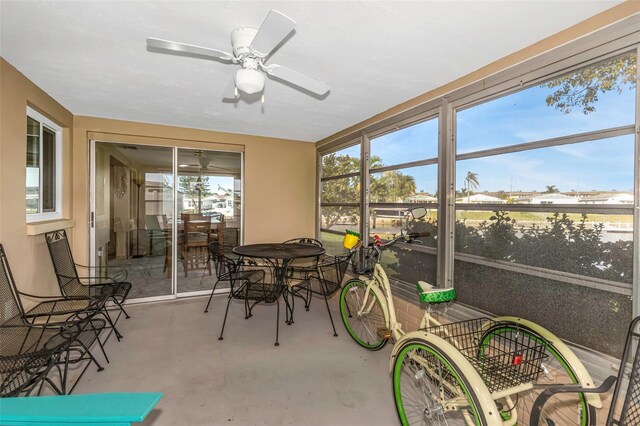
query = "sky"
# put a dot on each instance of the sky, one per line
(521, 117)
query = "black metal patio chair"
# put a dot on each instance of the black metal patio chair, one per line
(114, 287)
(301, 268)
(50, 320)
(25, 362)
(325, 281)
(229, 267)
(248, 284)
(625, 403)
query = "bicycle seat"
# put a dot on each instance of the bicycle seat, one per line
(430, 294)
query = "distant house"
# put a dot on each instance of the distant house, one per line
(421, 197)
(554, 198)
(615, 198)
(481, 199)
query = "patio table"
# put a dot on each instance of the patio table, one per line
(279, 255)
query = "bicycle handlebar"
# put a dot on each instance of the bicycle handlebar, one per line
(419, 234)
(377, 244)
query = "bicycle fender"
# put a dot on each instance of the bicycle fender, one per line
(486, 403)
(582, 374)
(383, 301)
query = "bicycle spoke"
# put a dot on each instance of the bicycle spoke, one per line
(362, 324)
(427, 386)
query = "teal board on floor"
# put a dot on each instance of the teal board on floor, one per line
(105, 409)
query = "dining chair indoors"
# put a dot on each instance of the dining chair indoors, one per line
(194, 241)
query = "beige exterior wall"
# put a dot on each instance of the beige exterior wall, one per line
(28, 254)
(279, 175)
(588, 26)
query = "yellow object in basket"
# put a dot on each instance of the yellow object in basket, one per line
(350, 240)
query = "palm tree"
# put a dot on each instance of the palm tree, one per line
(471, 183)
(551, 189)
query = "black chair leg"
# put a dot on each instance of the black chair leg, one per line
(126, 315)
(308, 304)
(95, 361)
(277, 321)
(97, 333)
(225, 318)
(326, 301)
(290, 307)
(113, 326)
(211, 297)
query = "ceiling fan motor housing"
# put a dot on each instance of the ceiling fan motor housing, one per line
(241, 39)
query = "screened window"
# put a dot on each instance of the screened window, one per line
(601, 96)
(417, 142)
(339, 196)
(547, 214)
(404, 172)
(43, 166)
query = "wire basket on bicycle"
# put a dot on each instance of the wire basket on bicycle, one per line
(364, 260)
(503, 357)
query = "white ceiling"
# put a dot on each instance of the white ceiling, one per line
(91, 56)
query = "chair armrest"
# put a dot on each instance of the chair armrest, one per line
(72, 317)
(53, 298)
(109, 280)
(100, 281)
(120, 275)
(544, 396)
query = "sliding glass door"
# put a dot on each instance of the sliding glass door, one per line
(208, 208)
(163, 213)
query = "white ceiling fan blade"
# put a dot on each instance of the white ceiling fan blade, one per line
(157, 43)
(273, 30)
(298, 79)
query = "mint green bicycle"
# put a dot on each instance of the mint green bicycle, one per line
(476, 372)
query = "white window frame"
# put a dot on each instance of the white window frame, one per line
(57, 130)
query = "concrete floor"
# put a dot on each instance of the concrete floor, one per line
(312, 378)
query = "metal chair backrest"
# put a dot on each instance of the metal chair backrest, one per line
(625, 409)
(63, 264)
(10, 304)
(333, 273)
(304, 240)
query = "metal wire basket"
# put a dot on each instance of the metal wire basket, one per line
(503, 356)
(364, 260)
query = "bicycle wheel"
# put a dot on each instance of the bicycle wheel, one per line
(362, 328)
(430, 389)
(562, 409)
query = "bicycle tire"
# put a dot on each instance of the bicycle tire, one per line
(364, 330)
(557, 409)
(416, 387)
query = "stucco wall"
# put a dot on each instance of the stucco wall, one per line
(28, 254)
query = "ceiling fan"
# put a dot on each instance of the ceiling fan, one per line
(204, 165)
(251, 49)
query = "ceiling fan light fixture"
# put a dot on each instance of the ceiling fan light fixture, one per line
(249, 81)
